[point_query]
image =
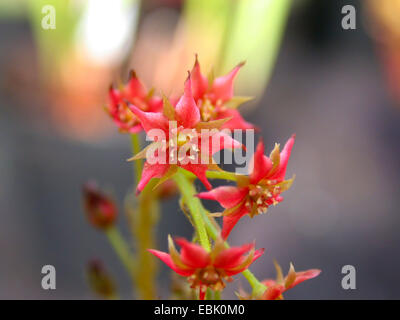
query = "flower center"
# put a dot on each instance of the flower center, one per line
(126, 116)
(183, 145)
(261, 196)
(207, 110)
(208, 277)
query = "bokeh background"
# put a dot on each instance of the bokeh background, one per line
(338, 90)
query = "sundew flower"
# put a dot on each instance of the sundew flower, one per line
(256, 192)
(275, 288)
(215, 99)
(207, 269)
(181, 139)
(135, 93)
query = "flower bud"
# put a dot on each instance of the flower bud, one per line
(100, 209)
(167, 189)
(100, 281)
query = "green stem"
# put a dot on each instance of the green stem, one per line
(121, 248)
(257, 286)
(143, 229)
(144, 226)
(188, 191)
(135, 141)
(217, 295)
(223, 175)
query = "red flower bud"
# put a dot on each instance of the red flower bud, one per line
(100, 209)
(100, 281)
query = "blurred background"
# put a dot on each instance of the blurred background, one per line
(338, 90)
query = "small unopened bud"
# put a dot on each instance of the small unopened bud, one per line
(100, 208)
(100, 281)
(167, 189)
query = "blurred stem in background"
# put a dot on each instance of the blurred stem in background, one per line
(225, 32)
(188, 195)
(54, 44)
(143, 222)
(122, 249)
(197, 210)
(254, 34)
(206, 24)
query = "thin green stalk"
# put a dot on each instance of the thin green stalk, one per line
(217, 295)
(143, 230)
(257, 286)
(222, 175)
(197, 209)
(121, 248)
(135, 141)
(144, 222)
(188, 191)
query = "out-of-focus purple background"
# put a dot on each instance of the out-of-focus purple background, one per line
(328, 87)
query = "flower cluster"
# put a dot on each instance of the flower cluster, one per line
(208, 269)
(256, 192)
(185, 133)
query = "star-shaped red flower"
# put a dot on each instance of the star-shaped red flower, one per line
(135, 93)
(208, 269)
(255, 193)
(275, 288)
(181, 139)
(215, 98)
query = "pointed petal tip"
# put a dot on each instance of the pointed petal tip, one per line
(205, 196)
(188, 85)
(132, 74)
(207, 184)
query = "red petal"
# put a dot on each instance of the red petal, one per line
(269, 282)
(304, 275)
(273, 293)
(199, 170)
(150, 120)
(227, 196)
(232, 257)
(187, 112)
(151, 171)
(222, 88)
(114, 97)
(202, 293)
(135, 129)
(193, 255)
(260, 164)
(258, 253)
(284, 158)
(155, 104)
(199, 82)
(166, 258)
(230, 221)
(237, 121)
(135, 88)
(218, 141)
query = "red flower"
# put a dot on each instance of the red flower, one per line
(187, 144)
(100, 209)
(133, 92)
(208, 269)
(275, 288)
(254, 194)
(215, 99)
